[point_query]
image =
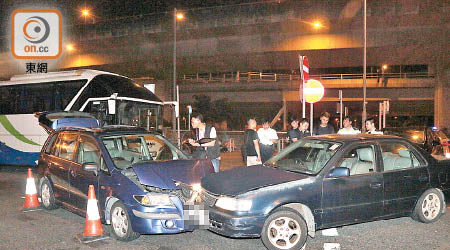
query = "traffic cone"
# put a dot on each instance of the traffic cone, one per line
(31, 199)
(93, 231)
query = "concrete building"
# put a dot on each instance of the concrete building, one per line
(412, 37)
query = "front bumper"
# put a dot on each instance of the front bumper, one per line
(230, 225)
(158, 220)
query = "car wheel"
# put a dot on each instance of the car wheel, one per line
(284, 229)
(120, 223)
(429, 207)
(47, 196)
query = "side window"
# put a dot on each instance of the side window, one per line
(397, 156)
(159, 150)
(88, 151)
(66, 145)
(359, 160)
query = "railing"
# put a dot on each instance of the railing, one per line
(275, 77)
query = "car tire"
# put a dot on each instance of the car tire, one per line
(120, 223)
(47, 195)
(429, 207)
(284, 229)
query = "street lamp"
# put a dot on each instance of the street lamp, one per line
(317, 25)
(176, 16)
(69, 47)
(85, 14)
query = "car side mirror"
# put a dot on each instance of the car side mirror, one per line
(91, 167)
(339, 172)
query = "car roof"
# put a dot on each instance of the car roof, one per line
(353, 138)
(109, 130)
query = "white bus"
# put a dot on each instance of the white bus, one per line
(113, 99)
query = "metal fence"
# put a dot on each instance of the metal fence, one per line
(275, 77)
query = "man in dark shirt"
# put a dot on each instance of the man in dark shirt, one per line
(324, 127)
(252, 144)
(298, 131)
(293, 133)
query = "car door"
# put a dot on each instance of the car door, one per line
(80, 179)
(60, 161)
(358, 197)
(405, 177)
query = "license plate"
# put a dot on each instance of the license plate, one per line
(196, 215)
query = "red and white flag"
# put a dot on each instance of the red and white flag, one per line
(304, 72)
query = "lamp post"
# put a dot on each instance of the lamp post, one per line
(176, 16)
(364, 112)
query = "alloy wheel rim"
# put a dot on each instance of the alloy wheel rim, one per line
(45, 195)
(119, 221)
(284, 232)
(431, 206)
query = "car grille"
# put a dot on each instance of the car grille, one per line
(175, 192)
(208, 198)
(186, 191)
(204, 197)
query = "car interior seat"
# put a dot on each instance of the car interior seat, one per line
(404, 161)
(364, 164)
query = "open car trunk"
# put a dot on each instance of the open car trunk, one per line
(51, 121)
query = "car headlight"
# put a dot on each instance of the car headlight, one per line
(154, 200)
(233, 204)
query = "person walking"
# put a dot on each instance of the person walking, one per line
(251, 143)
(267, 137)
(370, 127)
(348, 129)
(210, 150)
(324, 127)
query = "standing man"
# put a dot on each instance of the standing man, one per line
(348, 129)
(298, 131)
(252, 144)
(293, 133)
(370, 127)
(210, 150)
(267, 137)
(324, 127)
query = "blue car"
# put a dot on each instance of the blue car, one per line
(135, 174)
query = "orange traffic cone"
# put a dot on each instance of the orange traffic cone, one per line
(93, 231)
(31, 199)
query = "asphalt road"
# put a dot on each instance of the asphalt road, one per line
(56, 229)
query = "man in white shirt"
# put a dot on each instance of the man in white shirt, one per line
(348, 129)
(267, 137)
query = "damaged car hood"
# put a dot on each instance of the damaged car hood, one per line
(162, 175)
(241, 180)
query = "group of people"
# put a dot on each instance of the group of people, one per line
(259, 144)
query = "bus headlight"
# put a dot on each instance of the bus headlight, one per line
(233, 204)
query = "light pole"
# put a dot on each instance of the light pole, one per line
(176, 16)
(364, 112)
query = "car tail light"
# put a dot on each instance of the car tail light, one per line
(445, 143)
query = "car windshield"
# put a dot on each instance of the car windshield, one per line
(304, 156)
(126, 150)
